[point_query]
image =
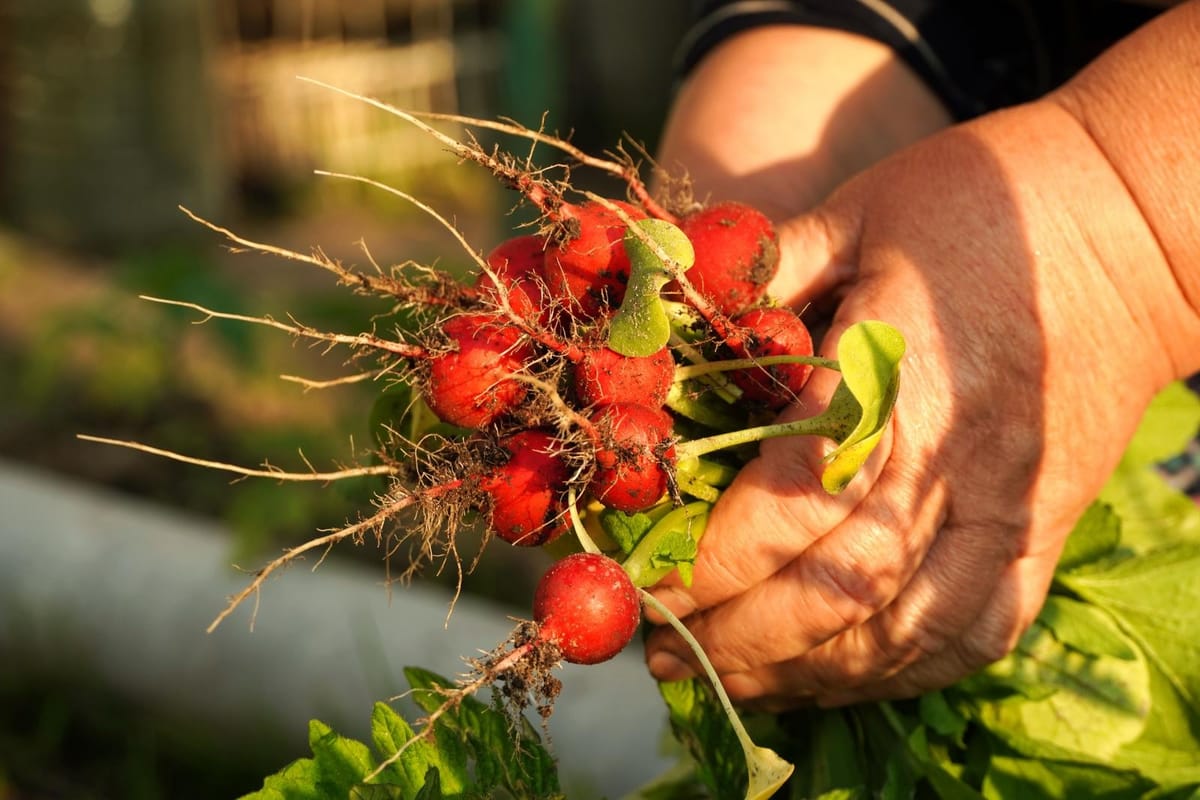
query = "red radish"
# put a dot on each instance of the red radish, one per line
(525, 501)
(517, 262)
(603, 376)
(737, 254)
(634, 461)
(518, 256)
(587, 605)
(773, 332)
(588, 268)
(471, 385)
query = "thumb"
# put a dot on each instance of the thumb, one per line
(773, 511)
(818, 253)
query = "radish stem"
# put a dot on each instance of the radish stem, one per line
(698, 369)
(766, 770)
(818, 426)
(721, 385)
(577, 524)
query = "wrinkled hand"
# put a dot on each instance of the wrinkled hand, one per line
(998, 249)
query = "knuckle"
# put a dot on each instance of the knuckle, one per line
(726, 648)
(985, 644)
(853, 595)
(920, 639)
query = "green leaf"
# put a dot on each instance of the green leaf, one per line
(342, 762)
(641, 326)
(1168, 751)
(1085, 628)
(697, 401)
(443, 756)
(828, 755)
(1096, 703)
(946, 784)
(1013, 777)
(503, 758)
(379, 791)
(1155, 598)
(921, 760)
(699, 723)
(899, 780)
(940, 716)
(296, 781)
(869, 355)
(1095, 536)
(1152, 512)
(432, 786)
(1170, 422)
(625, 529)
(672, 543)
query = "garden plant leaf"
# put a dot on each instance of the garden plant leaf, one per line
(520, 764)
(869, 355)
(1155, 597)
(444, 756)
(1095, 536)
(1094, 705)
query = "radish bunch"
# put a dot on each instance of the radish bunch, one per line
(534, 348)
(593, 388)
(577, 367)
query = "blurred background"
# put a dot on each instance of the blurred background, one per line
(112, 114)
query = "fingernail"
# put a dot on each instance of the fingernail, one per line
(666, 666)
(679, 602)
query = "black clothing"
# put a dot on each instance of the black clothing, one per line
(976, 55)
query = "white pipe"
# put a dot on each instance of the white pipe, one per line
(127, 589)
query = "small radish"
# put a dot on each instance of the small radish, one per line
(587, 605)
(634, 460)
(525, 500)
(737, 254)
(587, 268)
(517, 262)
(518, 256)
(773, 331)
(471, 384)
(603, 376)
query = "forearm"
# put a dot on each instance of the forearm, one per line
(1139, 103)
(778, 116)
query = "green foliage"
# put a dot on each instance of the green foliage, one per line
(699, 723)
(671, 543)
(472, 753)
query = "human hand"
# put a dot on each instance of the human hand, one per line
(1000, 249)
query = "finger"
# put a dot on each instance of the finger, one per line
(946, 596)
(773, 510)
(818, 251)
(949, 589)
(958, 613)
(841, 580)
(993, 634)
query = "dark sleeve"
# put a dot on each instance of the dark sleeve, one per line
(976, 55)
